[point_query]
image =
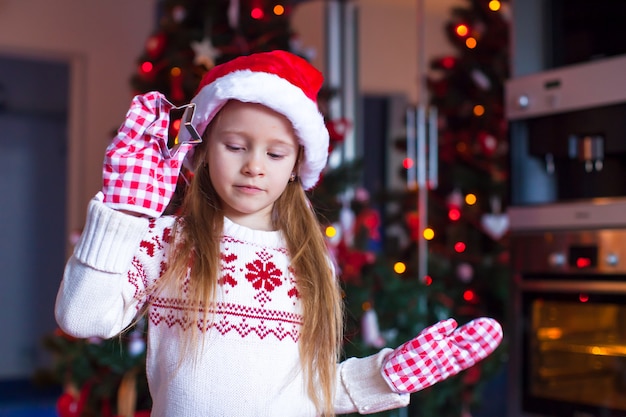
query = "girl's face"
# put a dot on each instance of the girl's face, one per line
(252, 152)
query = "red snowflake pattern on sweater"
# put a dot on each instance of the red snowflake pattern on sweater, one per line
(264, 276)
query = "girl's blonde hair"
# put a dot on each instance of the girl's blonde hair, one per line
(198, 233)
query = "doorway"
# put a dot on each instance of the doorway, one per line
(34, 98)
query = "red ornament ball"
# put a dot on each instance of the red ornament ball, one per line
(488, 143)
(68, 405)
(338, 129)
(413, 223)
(448, 62)
(155, 45)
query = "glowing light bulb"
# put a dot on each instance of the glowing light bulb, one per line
(427, 280)
(330, 231)
(407, 163)
(454, 214)
(462, 30)
(469, 295)
(583, 262)
(470, 199)
(175, 72)
(479, 110)
(146, 67)
(279, 10)
(428, 233)
(399, 268)
(459, 247)
(470, 43)
(257, 13)
(494, 5)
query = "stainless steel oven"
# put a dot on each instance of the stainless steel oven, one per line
(568, 350)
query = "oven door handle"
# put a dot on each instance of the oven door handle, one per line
(574, 286)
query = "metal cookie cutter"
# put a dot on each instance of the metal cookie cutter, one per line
(193, 135)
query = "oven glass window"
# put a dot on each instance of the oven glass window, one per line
(577, 352)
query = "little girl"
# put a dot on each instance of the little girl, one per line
(244, 309)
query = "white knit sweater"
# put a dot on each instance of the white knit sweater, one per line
(248, 363)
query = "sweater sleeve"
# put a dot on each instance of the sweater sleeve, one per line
(361, 387)
(96, 296)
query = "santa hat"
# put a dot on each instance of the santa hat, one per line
(281, 81)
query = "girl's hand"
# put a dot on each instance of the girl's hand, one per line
(439, 352)
(140, 171)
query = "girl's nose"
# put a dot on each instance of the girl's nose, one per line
(254, 164)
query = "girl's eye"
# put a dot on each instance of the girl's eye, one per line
(275, 155)
(234, 147)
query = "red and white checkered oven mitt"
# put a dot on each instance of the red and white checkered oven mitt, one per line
(140, 171)
(440, 351)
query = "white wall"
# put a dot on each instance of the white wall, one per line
(102, 40)
(388, 40)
